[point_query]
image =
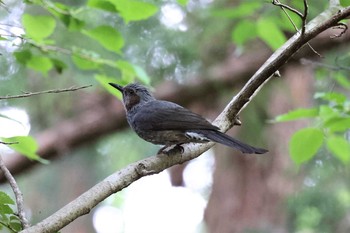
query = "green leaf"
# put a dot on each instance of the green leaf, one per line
(16, 225)
(75, 24)
(326, 113)
(63, 12)
(130, 72)
(342, 80)
(304, 144)
(59, 65)
(182, 2)
(297, 114)
(84, 64)
(71, 22)
(243, 31)
(338, 124)
(242, 10)
(270, 33)
(345, 3)
(38, 27)
(26, 146)
(104, 80)
(141, 74)
(6, 209)
(127, 70)
(335, 97)
(131, 10)
(5, 199)
(23, 56)
(40, 63)
(104, 5)
(340, 148)
(108, 37)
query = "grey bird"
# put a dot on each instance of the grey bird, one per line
(169, 124)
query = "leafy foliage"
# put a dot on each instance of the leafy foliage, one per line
(8, 218)
(63, 37)
(270, 33)
(304, 144)
(297, 114)
(38, 27)
(332, 118)
(108, 37)
(25, 145)
(43, 53)
(40, 54)
(131, 10)
(315, 211)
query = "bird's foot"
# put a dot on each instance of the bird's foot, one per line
(170, 150)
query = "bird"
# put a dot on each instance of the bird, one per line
(169, 124)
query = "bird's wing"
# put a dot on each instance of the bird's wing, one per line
(163, 115)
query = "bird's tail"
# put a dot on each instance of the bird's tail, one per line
(222, 138)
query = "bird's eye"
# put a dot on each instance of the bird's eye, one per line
(130, 91)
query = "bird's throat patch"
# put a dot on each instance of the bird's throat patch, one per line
(131, 101)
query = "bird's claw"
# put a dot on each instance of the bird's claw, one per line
(171, 150)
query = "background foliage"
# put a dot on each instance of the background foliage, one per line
(54, 44)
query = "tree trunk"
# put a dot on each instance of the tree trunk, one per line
(249, 191)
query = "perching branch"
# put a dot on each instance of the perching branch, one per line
(28, 94)
(17, 192)
(155, 164)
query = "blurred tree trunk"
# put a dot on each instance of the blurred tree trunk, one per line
(250, 191)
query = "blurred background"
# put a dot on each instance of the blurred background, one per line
(198, 53)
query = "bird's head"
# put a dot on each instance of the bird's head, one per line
(133, 94)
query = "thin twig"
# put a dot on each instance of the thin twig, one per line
(343, 28)
(313, 50)
(304, 17)
(323, 65)
(290, 19)
(28, 94)
(8, 143)
(278, 3)
(17, 192)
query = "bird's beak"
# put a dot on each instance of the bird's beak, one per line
(116, 86)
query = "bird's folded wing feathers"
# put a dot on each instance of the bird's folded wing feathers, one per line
(169, 116)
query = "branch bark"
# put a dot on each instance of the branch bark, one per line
(155, 164)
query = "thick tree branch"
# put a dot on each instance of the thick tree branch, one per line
(155, 164)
